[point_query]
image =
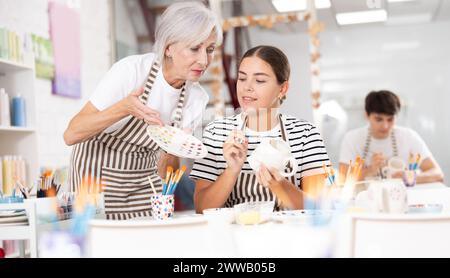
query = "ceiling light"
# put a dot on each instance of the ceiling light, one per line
(322, 4)
(398, 1)
(361, 17)
(402, 45)
(409, 19)
(283, 6)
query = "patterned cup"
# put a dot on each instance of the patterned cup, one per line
(409, 178)
(162, 206)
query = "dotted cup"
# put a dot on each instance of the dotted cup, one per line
(163, 206)
(409, 178)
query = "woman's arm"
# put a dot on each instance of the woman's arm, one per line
(214, 194)
(431, 171)
(209, 194)
(90, 121)
(166, 160)
(290, 195)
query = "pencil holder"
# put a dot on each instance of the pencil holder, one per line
(409, 178)
(163, 206)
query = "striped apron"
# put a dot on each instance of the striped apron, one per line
(247, 188)
(120, 162)
(366, 149)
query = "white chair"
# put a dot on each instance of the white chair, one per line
(408, 235)
(178, 237)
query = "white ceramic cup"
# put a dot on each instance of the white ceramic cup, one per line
(395, 164)
(273, 153)
(389, 196)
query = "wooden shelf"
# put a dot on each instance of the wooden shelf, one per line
(16, 255)
(16, 129)
(18, 232)
(7, 66)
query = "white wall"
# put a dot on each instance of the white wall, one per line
(125, 35)
(296, 48)
(412, 61)
(55, 112)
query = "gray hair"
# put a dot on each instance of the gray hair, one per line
(189, 22)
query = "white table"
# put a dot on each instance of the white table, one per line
(192, 236)
(399, 235)
(198, 238)
(430, 193)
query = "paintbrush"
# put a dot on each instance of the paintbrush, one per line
(327, 174)
(416, 163)
(168, 174)
(151, 184)
(411, 161)
(177, 180)
(172, 181)
(348, 172)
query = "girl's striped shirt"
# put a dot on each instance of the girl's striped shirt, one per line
(305, 142)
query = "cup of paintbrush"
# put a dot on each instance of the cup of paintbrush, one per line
(177, 180)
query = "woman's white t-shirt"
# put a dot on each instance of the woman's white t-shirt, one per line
(131, 73)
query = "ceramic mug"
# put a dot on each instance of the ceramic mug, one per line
(389, 196)
(273, 153)
(395, 164)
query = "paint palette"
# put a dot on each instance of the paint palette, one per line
(175, 141)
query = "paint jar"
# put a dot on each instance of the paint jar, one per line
(18, 111)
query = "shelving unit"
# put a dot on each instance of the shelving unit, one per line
(38, 225)
(19, 78)
(21, 232)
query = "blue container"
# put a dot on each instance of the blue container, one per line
(18, 111)
(11, 200)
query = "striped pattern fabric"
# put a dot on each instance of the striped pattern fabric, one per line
(177, 113)
(304, 140)
(127, 192)
(119, 163)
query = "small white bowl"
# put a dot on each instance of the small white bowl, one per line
(219, 215)
(252, 213)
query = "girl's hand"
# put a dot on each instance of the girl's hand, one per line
(235, 150)
(269, 177)
(378, 161)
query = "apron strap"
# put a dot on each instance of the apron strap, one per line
(150, 81)
(285, 138)
(178, 112)
(369, 139)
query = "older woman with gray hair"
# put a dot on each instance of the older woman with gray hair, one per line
(112, 151)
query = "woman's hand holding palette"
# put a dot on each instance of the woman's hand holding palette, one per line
(175, 141)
